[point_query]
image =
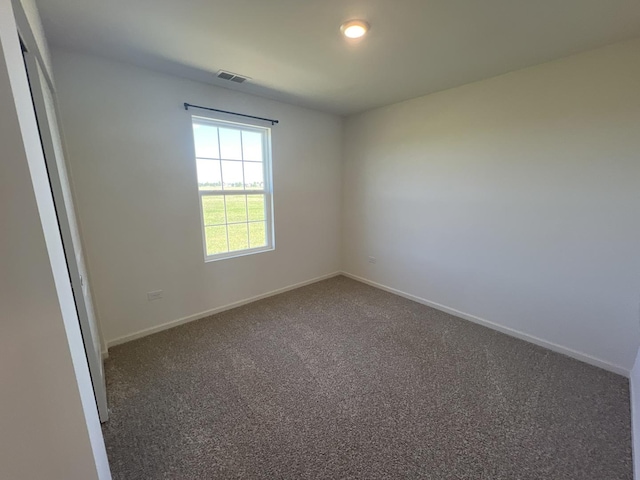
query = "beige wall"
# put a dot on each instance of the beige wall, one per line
(130, 148)
(515, 200)
(48, 420)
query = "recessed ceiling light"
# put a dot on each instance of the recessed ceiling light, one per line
(354, 28)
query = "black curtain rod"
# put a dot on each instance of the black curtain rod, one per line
(273, 122)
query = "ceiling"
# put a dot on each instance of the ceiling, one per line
(293, 50)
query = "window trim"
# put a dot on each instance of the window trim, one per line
(267, 191)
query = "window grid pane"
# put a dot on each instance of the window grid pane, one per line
(246, 209)
(256, 207)
(230, 143)
(253, 175)
(226, 220)
(206, 140)
(216, 238)
(236, 209)
(238, 237)
(254, 146)
(257, 234)
(213, 212)
(208, 174)
(246, 206)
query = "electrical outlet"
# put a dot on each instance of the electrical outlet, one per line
(155, 295)
(372, 260)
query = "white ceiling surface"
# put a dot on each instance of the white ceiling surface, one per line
(293, 50)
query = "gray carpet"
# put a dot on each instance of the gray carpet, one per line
(340, 380)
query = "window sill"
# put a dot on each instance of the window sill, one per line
(238, 253)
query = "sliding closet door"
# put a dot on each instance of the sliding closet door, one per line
(52, 145)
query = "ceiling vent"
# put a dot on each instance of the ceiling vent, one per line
(232, 77)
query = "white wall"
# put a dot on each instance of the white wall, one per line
(130, 150)
(515, 199)
(48, 419)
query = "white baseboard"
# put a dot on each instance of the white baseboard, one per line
(105, 354)
(198, 316)
(500, 328)
(452, 311)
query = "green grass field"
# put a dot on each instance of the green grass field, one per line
(244, 213)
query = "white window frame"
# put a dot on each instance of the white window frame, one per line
(267, 191)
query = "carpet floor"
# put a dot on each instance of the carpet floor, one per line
(339, 380)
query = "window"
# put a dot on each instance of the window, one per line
(233, 162)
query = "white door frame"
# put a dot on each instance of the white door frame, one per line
(47, 125)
